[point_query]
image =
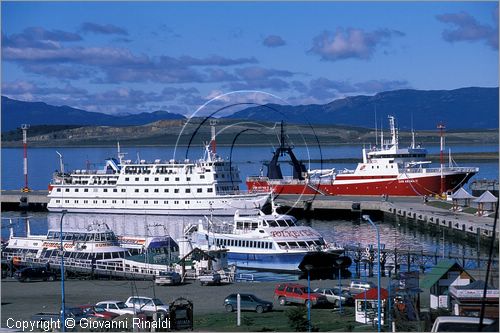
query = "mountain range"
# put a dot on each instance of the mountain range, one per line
(465, 108)
(15, 113)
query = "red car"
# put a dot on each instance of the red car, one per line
(297, 293)
(97, 312)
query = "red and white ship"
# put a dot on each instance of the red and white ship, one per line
(385, 170)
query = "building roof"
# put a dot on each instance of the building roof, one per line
(461, 194)
(438, 271)
(486, 197)
(372, 294)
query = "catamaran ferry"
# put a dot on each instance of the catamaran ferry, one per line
(271, 242)
(206, 186)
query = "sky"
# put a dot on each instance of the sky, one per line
(131, 57)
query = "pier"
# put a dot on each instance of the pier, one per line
(409, 210)
(18, 200)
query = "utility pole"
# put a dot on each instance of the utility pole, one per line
(441, 128)
(25, 127)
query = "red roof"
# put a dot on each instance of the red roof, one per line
(373, 294)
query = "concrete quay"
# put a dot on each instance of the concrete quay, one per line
(404, 209)
(34, 200)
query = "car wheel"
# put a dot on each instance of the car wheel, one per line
(229, 308)
(27, 279)
(52, 278)
(282, 300)
(259, 309)
(336, 303)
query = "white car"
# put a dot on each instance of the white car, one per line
(117, 307)
(333, 296)
(147, 304)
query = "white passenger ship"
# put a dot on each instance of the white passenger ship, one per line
(206, 186)
(269, 242)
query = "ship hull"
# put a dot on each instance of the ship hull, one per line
(284, 262)
(402, 185)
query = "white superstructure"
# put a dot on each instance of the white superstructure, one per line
(206, 186)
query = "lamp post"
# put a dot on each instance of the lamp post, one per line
(389, 268)
(63, 302)
(364, 261)
(339, 262)
(367, 218)
(308, 269)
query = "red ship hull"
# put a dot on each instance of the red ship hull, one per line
(356, 185)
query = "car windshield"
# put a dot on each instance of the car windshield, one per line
(156, 301)
(121, 305)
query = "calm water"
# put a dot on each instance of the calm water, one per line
(43, 161)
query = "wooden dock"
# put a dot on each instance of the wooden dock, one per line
(404, 209)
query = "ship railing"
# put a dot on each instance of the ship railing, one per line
(445, 169)
(257, 179)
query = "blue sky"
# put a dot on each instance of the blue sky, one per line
(129, 57)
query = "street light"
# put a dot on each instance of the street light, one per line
(63, 302)
(364, 261)
(389, 268)
(367, 218)
(339, 262)
(308, 269)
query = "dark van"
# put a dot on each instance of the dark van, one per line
(33, 274)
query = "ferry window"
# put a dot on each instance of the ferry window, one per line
(157, 190)
(186, 202)
(104, 201)
(254, 225)
(155, 202)
(115, 190)
(95, 201)
(188, 190)
(146, 179)
(66, 190)
(176, 190)
(76, 190)
(165, 190)
(127, 179)
(199, 190)
(302, 244)
(58, 201)
(282, 245)
(136, 190)
(105, 190)
(157, 179)
(188, 179)
(202, 176)
(176, 179)
(58, 190)
(85, 190)
(145, 202)
(135, 201)
(146, 190)
(136, 179)
(273, 224)
(107, 255)
(166, 179)
(210, 190)
(85, 201)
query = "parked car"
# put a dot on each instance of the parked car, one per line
(147, 304)
(335, 296)
(168, 279)
(247, 302)
(34, 273)
(463, 324)
(52, 317)
(94, 311)
(297, 293)
(117, 307)
(360, 286)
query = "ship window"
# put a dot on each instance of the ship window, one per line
(136, 190)
(85, 190)
(146, 179)
(157, 190)
(302, 244)
(210, 190)
(155, 202)
(58, 201)
(76, 190)
(135, 201)
(254, 225)
(58, 190)
(199, 190)
(107, 255)
(66, 190)
(136, 179)
(127, 179)
(145, 202)
(115, 190)
(188, 190)
(282, 245)
(105, 190)
(176, 190)
(166, 179)
(157, 179)
(176, 179)
(202, 176)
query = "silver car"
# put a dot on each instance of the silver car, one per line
(117, 307)
(335, 296)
